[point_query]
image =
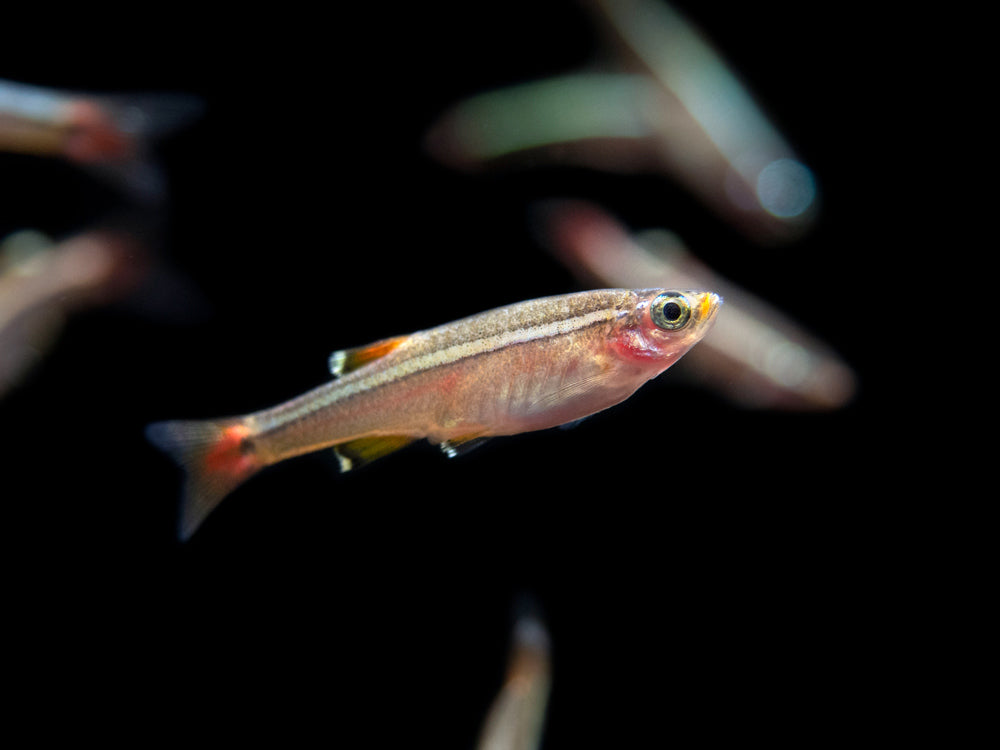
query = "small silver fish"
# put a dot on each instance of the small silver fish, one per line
(527, 366)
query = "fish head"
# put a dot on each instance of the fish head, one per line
(665, 323)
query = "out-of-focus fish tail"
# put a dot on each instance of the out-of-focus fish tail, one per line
(216, 455)
(155, 115)
(112, 136)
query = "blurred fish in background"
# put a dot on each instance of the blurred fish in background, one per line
(516, 718)
(756, 357)
(109, 135)
(42, 282)
(117, 255)
(667, 103)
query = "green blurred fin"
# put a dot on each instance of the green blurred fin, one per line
(346, 360)
(355, 453)
(19, 247)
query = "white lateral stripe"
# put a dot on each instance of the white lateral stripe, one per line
(347, 387)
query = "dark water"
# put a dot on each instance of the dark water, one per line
(704, 571)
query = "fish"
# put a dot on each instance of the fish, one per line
(43, 282)
(758, 357)
(516, 718)
(522, 367)
(716, 138)
(109, 135)
(660, 101)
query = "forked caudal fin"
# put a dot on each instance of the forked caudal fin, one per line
(216, 455)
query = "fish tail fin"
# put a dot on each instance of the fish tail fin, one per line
(109, 126)
(153, 116)
(216, 455)
(112, 136)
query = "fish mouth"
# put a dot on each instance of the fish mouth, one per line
(709, 306)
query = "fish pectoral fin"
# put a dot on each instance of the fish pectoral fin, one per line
(346, 360)
(569, 390)
(355, 453)
(463, 444)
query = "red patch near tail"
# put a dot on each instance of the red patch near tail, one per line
(232, 454)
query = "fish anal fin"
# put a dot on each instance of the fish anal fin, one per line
(463, 444)
(355, 453)
(346, 360)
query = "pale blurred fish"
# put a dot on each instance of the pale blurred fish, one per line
(42, 282)
(604, 120)
(108, 134)
(757, 356)
(743, 166)
(522, 367)
(516, 718)
(670, 105)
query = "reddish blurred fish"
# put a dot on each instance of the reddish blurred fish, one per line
(109, 135)
(522, 367)
(757, 357)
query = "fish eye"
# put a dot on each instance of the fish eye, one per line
(671, 311)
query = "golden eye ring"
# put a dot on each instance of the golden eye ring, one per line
(671, 311)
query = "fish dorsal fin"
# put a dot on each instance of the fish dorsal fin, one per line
(355, 453)
(344, 361)
(463, 444)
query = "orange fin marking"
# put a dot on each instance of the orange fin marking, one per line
(216, 455)
(346, 360)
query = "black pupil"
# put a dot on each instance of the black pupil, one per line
(671, 311)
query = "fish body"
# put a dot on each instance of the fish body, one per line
(517, 716)
(41, 121)
(109, 135)
(518, 368)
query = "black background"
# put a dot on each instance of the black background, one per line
(704, 571)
